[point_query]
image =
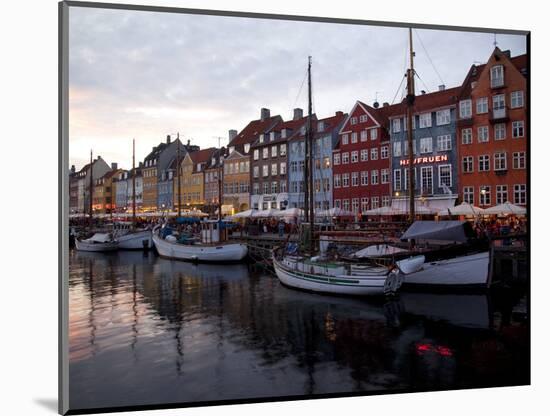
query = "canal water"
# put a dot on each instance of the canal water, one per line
(145, 330)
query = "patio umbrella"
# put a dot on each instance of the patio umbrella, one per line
(244, 214)
(266, 213)
(506, 208)
(384, 211)
(336, 212)
(291, 212)
(463, 209)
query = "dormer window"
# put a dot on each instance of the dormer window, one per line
(303, 130)
(232, 148)
(283, 133)
(497, 76)
(320, 126)
(271, 136)
(213, 161)
(199, 166)
(261, 138)
(246, 148)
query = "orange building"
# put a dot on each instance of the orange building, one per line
(492, 131)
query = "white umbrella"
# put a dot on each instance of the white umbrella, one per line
(291, 212)
(266, 213)
(244, 214)
(384, 211)
(463, 209)
(506, 208)
(336, 212)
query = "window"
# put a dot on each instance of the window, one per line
(283, 149)
(465, 109)
(256, 154)
(326, 162)
(345, 180)
(482, 105)
(425, 120)
(261, 138)
(326, 185)
(517, 129)
(320, 126)
(396, 125)
(516, 99)
(500, 131)
(256, 188)
(337, 203)
(518, 160)
(373, 134)
(337, 182)
(386, 201)
(426, 179)
(426, 145)
(364, 178)
(363, 118)
(466, 136)
(484, 195)
(354, 137)
(497, 76)
(301, 166)
(355, 179)
(354, 156)
(483, 134)
(345, 139)
(384, 152)
(317, 164)
(500, 160)
(374, 153)
(265, 152)
(520, 194)
(444, 143)
(294, 166)
(317, 185)
(355, 205)
(468, 194)
(364, 204)
(364, 135)
(397, 149)
(499, 104)
(266, 187)
(445, 176)
(385, 176)
(353, 120)
(274, 187)
(256, 171)
(467, 164)
(273, 151)
(375, 202)
(502, 194)
(374, 177)
(336, 158)
(397, 179)
(283, 186)
(443, 117)
(345, 158)
(364, 155)
(345, 204)
(265, 170)
(283, 168)
(483, 163)
(271, 136)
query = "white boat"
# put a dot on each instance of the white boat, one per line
(130, 238)
(209, 249)
(338, 277)
(99, 242)
(463, 271)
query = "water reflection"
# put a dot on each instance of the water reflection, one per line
(145, 330)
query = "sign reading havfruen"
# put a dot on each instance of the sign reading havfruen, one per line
(428, 159)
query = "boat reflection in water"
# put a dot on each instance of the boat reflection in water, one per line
(145, 330)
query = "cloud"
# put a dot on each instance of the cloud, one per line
(146, 74)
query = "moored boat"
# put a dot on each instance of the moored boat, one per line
(99, 242)
(131, 238)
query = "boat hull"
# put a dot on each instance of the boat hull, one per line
(221, 253)
(96, 247)
(374, 284)
(136, 241)
(464, 271)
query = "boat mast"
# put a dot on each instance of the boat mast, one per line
(91, 185)
(134, 183)
(410, 105)
(309, 138)
(220, 171)
(306, 166)
(178, 175)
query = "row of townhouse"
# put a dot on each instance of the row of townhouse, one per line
(469, 143)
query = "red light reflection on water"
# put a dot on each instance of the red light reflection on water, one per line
(422, 348)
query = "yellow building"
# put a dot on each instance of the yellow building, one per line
(103, 201)
(192, 178)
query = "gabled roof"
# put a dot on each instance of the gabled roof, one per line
(330, 123)
(426, 102)
(201, 156)
(157, 150)
(217, 154)
(251, 132)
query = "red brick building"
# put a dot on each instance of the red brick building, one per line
(361, 160)
(492, 131)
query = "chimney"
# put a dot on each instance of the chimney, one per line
(386, 105)
(232, 134)
(264, 114)
(423, 92)
(441, 87)
(506, 53)
(140, 164)
(168, 139)
(339, 113)
(73, 169)
(114, 166)
(188, 142)
(298, 114)
(376, 104)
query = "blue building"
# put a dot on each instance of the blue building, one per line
(434, 147)
(325, 138)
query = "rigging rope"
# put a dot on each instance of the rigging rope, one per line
(428, 55)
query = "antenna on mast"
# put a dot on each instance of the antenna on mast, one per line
(495, 43)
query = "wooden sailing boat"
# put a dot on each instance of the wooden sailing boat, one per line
(311, 272)
(129, 236)
(212, 246)
(99, 242)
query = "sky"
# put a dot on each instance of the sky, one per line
(144, 75)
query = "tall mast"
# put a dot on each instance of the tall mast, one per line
(178, 169)
(134, 183)
(220, 171)
(310, 157)
(91, 185)
(307, 161)
(410, 105)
